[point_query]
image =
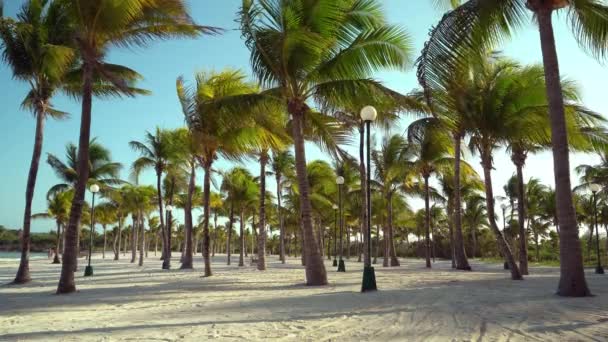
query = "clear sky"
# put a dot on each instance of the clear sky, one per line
(118, 121)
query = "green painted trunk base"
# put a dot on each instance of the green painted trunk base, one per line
(369, 280)
(88, 271)
(335, 263)
(341, 266)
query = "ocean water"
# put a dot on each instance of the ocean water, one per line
(17, 255)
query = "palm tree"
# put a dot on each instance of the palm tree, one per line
(223, 121)
(156, 151)
(475, 216)
(96, 27)
(330, 58)
(139, 200)
(475, 25)
(431, 146)
(35, 47)
(58, 206)
(105, 214)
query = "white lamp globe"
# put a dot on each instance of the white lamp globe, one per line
(94, 188)
(504, 207)
(169, 208)
(595, 187)
(335, 207)
(368, 113)
(340, 180)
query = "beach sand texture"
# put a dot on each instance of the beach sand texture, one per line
(126, 302)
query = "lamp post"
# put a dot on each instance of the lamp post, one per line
(504, 227)
(340, 182)
(335, 207)
(594, 189)
(88, 271)
(167, 259)
(368, 114)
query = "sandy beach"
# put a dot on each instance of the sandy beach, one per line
(126, 302)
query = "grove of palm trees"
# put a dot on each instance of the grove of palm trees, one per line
(304, 170)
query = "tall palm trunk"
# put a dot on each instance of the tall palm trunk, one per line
(503, 246)
(169, 227)
(105, 243)
(117, 250)
(159, 198)
(206, 204)
(281, 223)
(56, 258)
(572, 276)
(229, 234)
(427, 222)
(23, 273)
(187, 257)
(450, 212)
(315, 269)
(66, 279)
(519, 158)
(262, 223)
(458, 244)
(141, 238)
(242, 239)
(363, 182)
(134, 237)
(391, 241)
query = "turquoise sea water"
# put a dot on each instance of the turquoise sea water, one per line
(17, 255)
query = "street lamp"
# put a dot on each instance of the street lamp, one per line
(167, 258)
(88, 271)
(594, 189)
(340, 182)
(368, 114)
(504, 227)
(335, 207)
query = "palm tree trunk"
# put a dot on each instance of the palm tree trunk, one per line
(134, 237)
(142, 238)
(159, 197)
(206, 204)
(229, 234)
(572, 276)
(187, 257)
(474, 241)
(519, 160)
(391, 238)
(377, 244)
(242, 239)
(56, 258)
(537, 247)
(315, 269)
(103, 251)
(281, 223)
(119, 235)
(23, 273)
(450, 212)
(66, 279)
(363, 182)
(427, 222)
(503, 246)
(458, 241)
(262, 224)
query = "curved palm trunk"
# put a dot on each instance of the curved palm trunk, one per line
(500, 239)
(450, 212)
(362, 181)
(117, 250)
(519, 160)
(572, 276)
(315, 269)
(427, 222)
(159, 198)
(462, 263)
(229, 234)
(242, 239)
(281, 223)
(23, 273)
(262, 223)
(206, 202)
(105, 242)
(56, 258)
(394, 261)
(169, 230)
(134, 237)
(66, 279)
(141, 238)
(187, 257)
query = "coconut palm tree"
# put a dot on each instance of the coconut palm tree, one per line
(474, 26)
(225, 121)
(431, 147)
(281, 165)
(58, 206)
(105, 214)
(330, 58)
(96, 26)
(474, 217)
(36, 48)
(156, 150)
(139, 200)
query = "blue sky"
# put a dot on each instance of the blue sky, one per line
(118, 121)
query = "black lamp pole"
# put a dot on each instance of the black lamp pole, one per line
(88, 271)
(335, 236)
(341, 266)
(369, 276)
(598, 269)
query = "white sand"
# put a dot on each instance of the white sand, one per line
(126, 302)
